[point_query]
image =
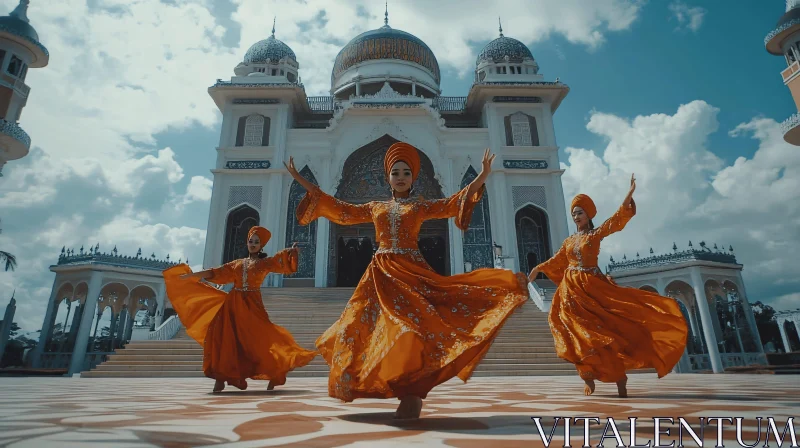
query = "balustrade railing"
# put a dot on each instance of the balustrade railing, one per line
(167, 330)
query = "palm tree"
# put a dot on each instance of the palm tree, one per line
(6, 258)
(9, 260)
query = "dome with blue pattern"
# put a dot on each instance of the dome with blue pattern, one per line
(16, 24)
(270, 49)
(504, 47)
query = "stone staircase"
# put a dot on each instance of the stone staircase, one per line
(523, 347)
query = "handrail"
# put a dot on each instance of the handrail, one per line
(167, 330)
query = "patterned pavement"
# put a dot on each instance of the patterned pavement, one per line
(486, 412)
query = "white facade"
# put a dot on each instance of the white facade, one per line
(513, 118)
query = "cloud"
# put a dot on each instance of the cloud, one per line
(685, 192)
(317, 29)
(198, 190)
(688, 17)
(48, 204)
(122, 72)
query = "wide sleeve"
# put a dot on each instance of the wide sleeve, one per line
(555, 267)
(224, 274)
(317, 204)
(617, 221)
(283, 262)
(459, 206)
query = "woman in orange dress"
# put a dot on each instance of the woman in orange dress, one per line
(239, 341)
(406, 328)
(602, 328)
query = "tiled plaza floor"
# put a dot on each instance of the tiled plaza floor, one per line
(486, 412)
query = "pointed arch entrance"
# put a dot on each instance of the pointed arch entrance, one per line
(350, 248)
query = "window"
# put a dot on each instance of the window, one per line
(521, 130)
(238, 224)
(274, 71)
(15, 66)
(290, 76)
(281, 72)
(253, 130)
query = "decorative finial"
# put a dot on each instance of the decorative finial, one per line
(651, 250)
(21, 11)
(274, 19)
(674, 247)
(386, 14)
(612, 259)
(501, 26)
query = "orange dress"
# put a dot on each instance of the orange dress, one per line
(605, 329)
(239, 340)
(406, 328)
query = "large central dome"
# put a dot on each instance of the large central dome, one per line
(383, 44)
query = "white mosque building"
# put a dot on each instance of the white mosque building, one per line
(385, 87)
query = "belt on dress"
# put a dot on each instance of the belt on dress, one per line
(397, 250)
(585, 269)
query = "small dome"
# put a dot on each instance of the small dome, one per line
(386, 43)
(792, 14)
(504, 47)
(17, 25)
(270, 49)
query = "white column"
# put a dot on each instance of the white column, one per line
(214, 234)
(323, 229)
(79, 351)
(748, 312)
(661, 286)
(506, 233)
(161, 305)
(784, 337)
(47, 325)
(708, 324)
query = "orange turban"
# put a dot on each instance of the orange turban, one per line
(402, 152)
(263, 234)
(586, 203)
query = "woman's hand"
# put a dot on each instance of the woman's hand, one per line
(629, 197)
(486, 163)
(296, 175)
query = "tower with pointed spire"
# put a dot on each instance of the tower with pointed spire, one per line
(20, 49)
(5, 324)
(784, 40)
(506, 59)
(268, 61)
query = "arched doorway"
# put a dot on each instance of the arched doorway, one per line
(363, 180)
(478, 236)
(533, 238)
(304, 236)
(239, 222)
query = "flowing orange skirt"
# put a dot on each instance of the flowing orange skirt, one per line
(239, 340)
(407, 329)
(605, 329)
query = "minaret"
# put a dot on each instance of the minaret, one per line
(784, 41)
(20, 49)
(5, 326)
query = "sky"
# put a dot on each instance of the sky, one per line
(682, 93)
